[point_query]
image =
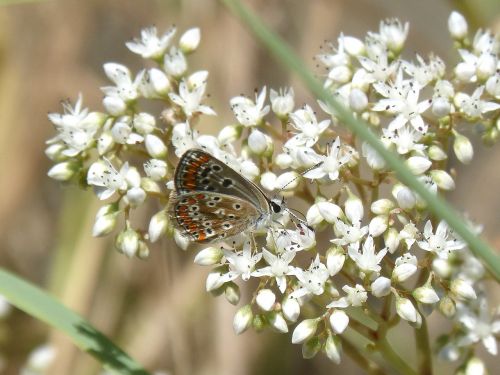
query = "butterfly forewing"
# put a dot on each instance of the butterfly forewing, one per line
(200, 171)
(209, 216)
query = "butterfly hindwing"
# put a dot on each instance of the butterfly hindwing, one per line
(208, 216)
(199, 171)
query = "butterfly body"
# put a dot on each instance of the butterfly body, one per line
(212, 201)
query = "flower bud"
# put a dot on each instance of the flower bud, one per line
(259, 143)
(463, 148)
(127, 242)
(214, 280)
(242, 319)
(181, 240)
(304, 330)
(268, 181)
(158, 225)
(229, 134)
(447, 307)
(403, 272)
(442, 267)
(144, 123)
(381, 287)
(63, 171)
(378, 225)
(156, 169)
(265, 299)
(475, 366)
(278, 322)
(105, 220)
(287, 181)
(155, 146)
(136, 196)
(54, 152)
(333, 349)
(105, 142)
(158, 84)
(441, 107)
(114, 105)
(418, 164)
(190, 40)
(457, 25)
(442, 179)
(486, 66)
(150, 186)
(425, 294)
(208, 256)
(290, 308)
(436, 153)
(232, 293)
(353, 208)
(382, 206)
(311, 347)
(329, 211)
(493, 86)
(335, 258)
(283, 161)
(463, 289)
(391, 240)
(405, 197)
(143, 251)
(339, 321)
(282, 103)
(358, 101)
(405, 309)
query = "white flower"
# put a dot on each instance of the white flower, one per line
(106, 179)
(330, 163)
(76, 126)
(367, 261)
(312, 280)
(279, 267)
(248, 112)
(240, 263)
(282, 102)
(393, 33)
(335, 258)
(125, 88)
(183, 138)
(150, 46)
(175, 63)
(405, 139)
(156, 169)
(189, 99)
(439, 243)
(304, 120)
(378, 67)
(472, 105)
(405, 266)
(406, 108)
(355, 296)
(424, 73)
(479, 326)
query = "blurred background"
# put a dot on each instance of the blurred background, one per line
(158, 310)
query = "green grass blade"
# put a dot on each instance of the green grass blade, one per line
(436, 205)
(46, 308)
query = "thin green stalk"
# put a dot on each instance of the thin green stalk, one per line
(424, 355)
(393, 358)
(46, 308)
(435, 204)
(360, 358)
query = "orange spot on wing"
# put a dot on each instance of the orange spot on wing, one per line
(201, 236)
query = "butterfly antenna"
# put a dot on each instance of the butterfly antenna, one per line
(301, 174)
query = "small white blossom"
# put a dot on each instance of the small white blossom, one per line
(304, 120)
(189, 99)
(440, 242)
(279, 267)
(150, 46)
(472, 105)
(190, 40)
(367, 261)
(242, 319)
(106, 179)
(381, 287)
(339, 321)
(248, 112)
(457, 25)
(405, 267)
(282, 102)
(312, 280)
(304, 331)
(175, 63)
(265, 299)
(240, 263)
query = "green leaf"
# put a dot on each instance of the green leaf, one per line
(46, 308)
(436, 205)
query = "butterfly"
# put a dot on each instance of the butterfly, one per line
(212, 201)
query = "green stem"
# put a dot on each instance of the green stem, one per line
(424, 355)
(393, 358)
(360, 358)
(435, 204)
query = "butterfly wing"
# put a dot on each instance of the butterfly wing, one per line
(199, 171)
(207, 216)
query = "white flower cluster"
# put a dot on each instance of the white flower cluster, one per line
(358, 249)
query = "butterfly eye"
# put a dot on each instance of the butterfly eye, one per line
(275, 207)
